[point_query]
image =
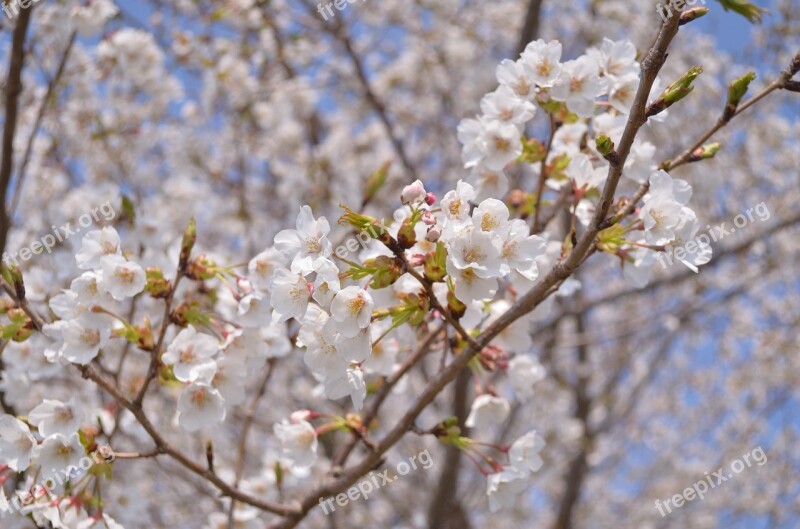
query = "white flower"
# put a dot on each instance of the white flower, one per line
(261, 267)
(53, 416)
(517, 77)
(469, 133)
(469, 286)
(486, 411)
(520, 250)
(84, 337)
(490, 215)
(663, 209)
(16, 443)
(230, 379)
(641, 161)
(585, 176)
(308, 245)
(568, 138)
(89, 19)
(289, 295)
(541, 61)
(298, 442)
(326, 284)
(615, 59)
(96, 245)
(121, 278)
(254, 309)
(637, 272)
(578, 85)
(413, 194)
(488, 183)
(191, 355)
(275, 342)
(455, 204)
(351, 384)
(321, 355)
(505, 106)
(351, 309)
(524, 371)
(623, 92)
(199, 406)
(501, 144)
(524, 453)
(476, 249)
(58, 453)
(686, 247)
(504, 487)
(89, 291)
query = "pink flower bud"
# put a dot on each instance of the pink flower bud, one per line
(430, 199)
(417, 259)
(434, 233)
(428, 218)
(413, 194)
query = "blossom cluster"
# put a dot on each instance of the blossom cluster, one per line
(589, 97)
(458, 259)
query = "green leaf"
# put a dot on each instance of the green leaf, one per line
(748, 10)
(610, 239)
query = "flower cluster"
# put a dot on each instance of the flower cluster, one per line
(588, 100)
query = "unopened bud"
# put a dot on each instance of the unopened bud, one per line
(434, 234)
(187, 244)
(413, 194)
(705, 152)
(430, 199)
(407, 236)
(736, 91)
(692, 14)
(674, 92)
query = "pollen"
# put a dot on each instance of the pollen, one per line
(522, 88)
(90, 337)
(501, 144)
(199, 397)
(64, 451)
(64, 414)
(313, 245)
(488, 222)
(125, 274)
(356, 304)
(509, 250)
(187, 355)
(544, 68)
(455, 207)
(473, 255)
(576, 84)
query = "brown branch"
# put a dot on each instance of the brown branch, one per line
(13, 91)
(51, 88)
(248, 423)
(163, 447)
(530, 29)
(339, 32)
(782, 82)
